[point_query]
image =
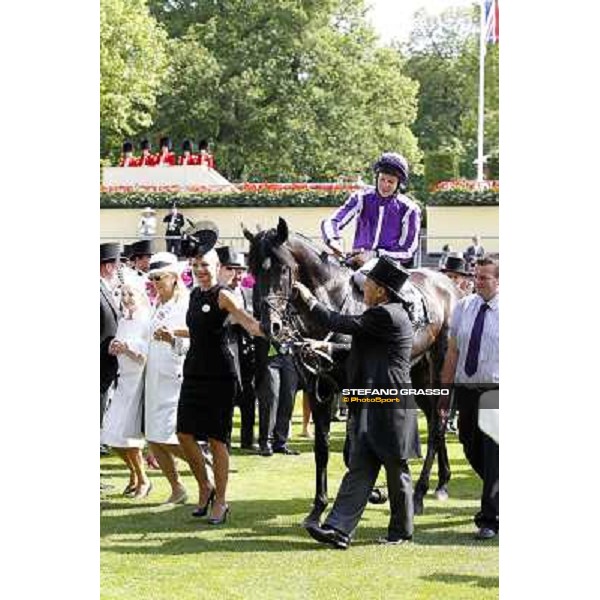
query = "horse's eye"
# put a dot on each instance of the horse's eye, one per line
(266, 264)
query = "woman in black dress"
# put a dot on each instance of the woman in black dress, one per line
(210, 380)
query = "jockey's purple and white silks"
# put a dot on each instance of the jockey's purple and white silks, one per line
(390, 225)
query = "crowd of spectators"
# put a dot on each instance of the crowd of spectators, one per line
(177, 333)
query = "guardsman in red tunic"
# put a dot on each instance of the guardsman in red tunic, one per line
(147, 158)
(187, 158)
(127, 157)
(166, 157)
(204, 157)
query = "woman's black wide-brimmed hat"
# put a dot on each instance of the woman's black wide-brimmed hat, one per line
(200, 239)
(389, 274)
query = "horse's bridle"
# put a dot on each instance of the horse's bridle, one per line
(315, 362)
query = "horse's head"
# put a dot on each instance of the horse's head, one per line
(277, 259)
(274, 268)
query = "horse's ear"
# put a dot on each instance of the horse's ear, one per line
(282, 232)
(249, 236)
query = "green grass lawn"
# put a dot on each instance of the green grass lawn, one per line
(149, 552)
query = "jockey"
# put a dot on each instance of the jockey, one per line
(388, 221)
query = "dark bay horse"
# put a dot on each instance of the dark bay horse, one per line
(277, 259)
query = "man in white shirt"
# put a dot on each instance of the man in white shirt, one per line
(472, 365)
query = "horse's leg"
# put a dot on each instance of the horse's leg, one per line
(443, 462)
(420, 376)
(439, 426)
(422, 485)
(322, 423)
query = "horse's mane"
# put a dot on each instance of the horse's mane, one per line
(265, 245)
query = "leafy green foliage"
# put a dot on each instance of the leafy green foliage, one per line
(305, 198)
(164, 200)
(133, 61)
(493, 166)
(443, 56)
(293, 90)
(285, 90)
(464, 198)
(440, 166)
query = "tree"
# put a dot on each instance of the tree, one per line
(285, 88)
(133, 62)
(187, 107)
(443, 56)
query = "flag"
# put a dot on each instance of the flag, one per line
(492, 24)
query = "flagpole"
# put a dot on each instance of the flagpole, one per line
(480, 120)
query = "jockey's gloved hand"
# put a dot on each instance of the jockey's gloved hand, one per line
(303, 292)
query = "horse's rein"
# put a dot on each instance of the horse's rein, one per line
(315, 362)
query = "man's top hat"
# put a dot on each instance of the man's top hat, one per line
(200, 239)
(140, 248)
(109, 252)
(166, 141)
(127, 147)
(187, 146)
(229, 257)
(455, 264)
(126, 252)
(389, 275)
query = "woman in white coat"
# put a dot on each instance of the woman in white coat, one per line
(164, 368)
(122, 427)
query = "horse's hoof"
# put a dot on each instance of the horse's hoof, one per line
(418, 505)
(314, 516)
(441, 494)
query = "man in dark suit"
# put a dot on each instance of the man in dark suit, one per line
(109, 316)
(474, 251)
(230, 274)
(175, 223)
(379, 434)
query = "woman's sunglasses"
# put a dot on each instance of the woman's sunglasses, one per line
(157, 276)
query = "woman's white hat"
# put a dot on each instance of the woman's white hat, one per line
(164, 262)
(148, 211)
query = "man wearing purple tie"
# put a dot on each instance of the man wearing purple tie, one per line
(472, 366)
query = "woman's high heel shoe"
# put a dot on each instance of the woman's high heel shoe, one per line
(202, 511)
(222, 519)
(129, 490)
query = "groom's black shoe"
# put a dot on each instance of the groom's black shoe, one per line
(328, 535)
